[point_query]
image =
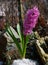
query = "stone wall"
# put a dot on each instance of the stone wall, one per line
(11, 8)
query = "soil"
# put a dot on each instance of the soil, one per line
(3, 43)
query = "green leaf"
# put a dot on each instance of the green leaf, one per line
(20, 35)
(19, 31)
(26, 40)
(14, 32)
(15, 40)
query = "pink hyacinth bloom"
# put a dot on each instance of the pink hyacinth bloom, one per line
(30, 20)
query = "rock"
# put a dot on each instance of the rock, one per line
(24, 62)
(1, 63)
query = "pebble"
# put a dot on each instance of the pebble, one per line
(1, 63)
(24, 62)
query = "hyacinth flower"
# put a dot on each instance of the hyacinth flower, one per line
(28, 25)
(30, 20)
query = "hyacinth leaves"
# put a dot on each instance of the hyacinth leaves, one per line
(23, 40)
(9, 31)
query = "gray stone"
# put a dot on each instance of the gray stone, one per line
(24, 62)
